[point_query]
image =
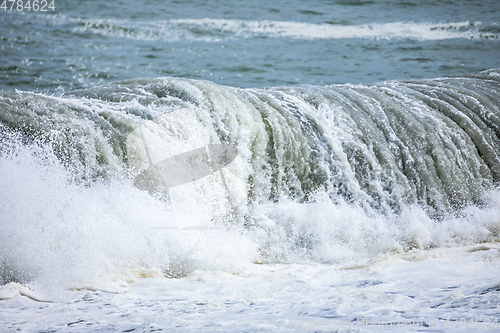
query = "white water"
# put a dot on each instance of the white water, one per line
(320, 229)
(77, 246)
(217, 30)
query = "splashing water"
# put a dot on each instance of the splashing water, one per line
(322, 174)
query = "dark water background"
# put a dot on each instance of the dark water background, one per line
(246, 43)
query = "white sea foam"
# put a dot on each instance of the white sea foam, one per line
(274, 240)
(217, 30)
(57, 235)
(446, 289)
(301, 30)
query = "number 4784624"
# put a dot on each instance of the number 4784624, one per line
(28, 5)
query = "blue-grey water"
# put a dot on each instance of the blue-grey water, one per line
(247, 43)
(250, 166)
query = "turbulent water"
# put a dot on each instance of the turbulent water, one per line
(356, 186)
(429, 147)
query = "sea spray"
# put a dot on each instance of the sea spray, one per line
(323, 174)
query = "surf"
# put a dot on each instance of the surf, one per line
(432, 142)
(304, 173)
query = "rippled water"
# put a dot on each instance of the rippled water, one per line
(247, 43)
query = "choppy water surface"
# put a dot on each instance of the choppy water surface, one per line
(247, 43)
(252, 166)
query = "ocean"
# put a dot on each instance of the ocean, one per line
(237, 166)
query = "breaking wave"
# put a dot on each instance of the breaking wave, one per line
(217, 30)
(341, 173)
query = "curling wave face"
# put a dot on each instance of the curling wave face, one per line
(433, 142)
(323, 173)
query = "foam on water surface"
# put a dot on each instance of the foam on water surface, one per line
(348, 200)
(354, 204)
(415, 291)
